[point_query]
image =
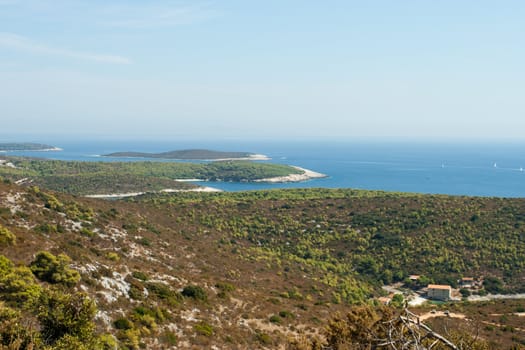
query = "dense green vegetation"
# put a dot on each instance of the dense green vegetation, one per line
(121, 177)
(191, 154)
(64, 318)
(382, 237)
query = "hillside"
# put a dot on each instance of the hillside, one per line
(188, 154)
(243, 270)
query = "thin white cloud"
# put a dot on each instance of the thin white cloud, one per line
(146, 16)
(22, 43)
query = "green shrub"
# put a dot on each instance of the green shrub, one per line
(66, 315)
(6, 265)
(135, 292)
(113, 256)
(204, 328)
(286, 314)
(264, 338)
(275, 319)
(464, 292)
(170, 338)
(398, 300)
(123, 323)
(46, 228)
(156, 313)
(18, 285)
(139, 275)
(195, 292)
(13, 335)
(107, 342)
(87, 232)
(130, 338)
(51, 202)
(163, 291)
(493, 285)
(144, 241)
(224, 288)
(7, 238)
(70, 342)
(54, 269)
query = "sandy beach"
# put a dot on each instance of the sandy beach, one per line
(115, 195)
(197, 189)
(305, 176)
(189, 180)
(167, 190)
(251, 157)
(48, 149)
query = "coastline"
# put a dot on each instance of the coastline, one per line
(305, 176)
(135, 194)
(53, 149)
(252, 157)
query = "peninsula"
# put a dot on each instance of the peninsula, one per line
(191, 154)
(26, 146)
(102, 178)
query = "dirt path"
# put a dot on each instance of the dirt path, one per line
(429, 315)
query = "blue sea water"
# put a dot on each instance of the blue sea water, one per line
(459, 169)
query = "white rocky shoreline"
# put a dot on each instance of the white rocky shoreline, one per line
(305, 176)
(252, 157)
(135, 194)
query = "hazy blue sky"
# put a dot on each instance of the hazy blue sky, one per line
(263, 69)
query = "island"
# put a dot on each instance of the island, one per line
(191, 154)
(26, 146)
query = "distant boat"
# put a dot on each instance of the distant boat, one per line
(442, 165)
(495, 165)
(521, 168)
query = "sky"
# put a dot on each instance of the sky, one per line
(273, 69)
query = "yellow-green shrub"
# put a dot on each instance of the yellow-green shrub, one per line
(6, 237)
(54, 269)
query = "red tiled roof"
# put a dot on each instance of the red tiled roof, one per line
(438, 286)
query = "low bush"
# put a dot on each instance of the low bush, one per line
(195, 292)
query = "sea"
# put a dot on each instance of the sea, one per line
(460, 168)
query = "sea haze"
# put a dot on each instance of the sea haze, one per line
(458, 169)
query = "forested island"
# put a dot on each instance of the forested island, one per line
(26, 146)
(191, 154)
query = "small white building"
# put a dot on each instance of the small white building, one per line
(467, 282)
(439, 292)
(414, 278)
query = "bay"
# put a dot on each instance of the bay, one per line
(475, 169)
